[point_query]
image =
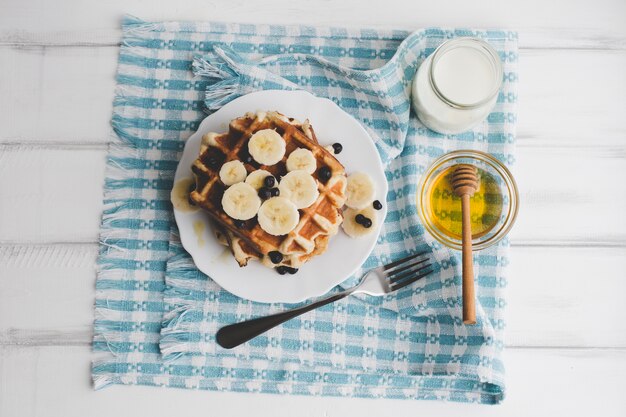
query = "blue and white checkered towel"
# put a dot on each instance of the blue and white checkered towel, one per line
(409, 345)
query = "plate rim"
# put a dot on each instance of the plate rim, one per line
(191, 249)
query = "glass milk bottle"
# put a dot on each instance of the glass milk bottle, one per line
(457, 85)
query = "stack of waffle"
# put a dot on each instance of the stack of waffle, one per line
(246, 239)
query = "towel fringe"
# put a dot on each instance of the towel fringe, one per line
(211, 66)
(127, 144)
(132, 25)
(174, 324)
(223, 91)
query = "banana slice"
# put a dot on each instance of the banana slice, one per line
(233, 172)
(299, 187)
(208, 139)
(267, 147)
(255, 178)
(355, 229)
(360, 190)
(278, 216)
(240, 201)
(301, 159)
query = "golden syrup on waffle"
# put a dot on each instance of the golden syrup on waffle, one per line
(445, 206)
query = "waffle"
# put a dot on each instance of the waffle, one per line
(246, 239)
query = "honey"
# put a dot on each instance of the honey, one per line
(198, 229)
(180, 195)
(445, 206)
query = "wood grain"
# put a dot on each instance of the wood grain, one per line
(567, 296)
(551, 300)
(570, 194)
(566, 282)
(533, 37)
(50, 195)
(562, 95)
(56, 96)
(57, 283)
(60, 181)
(54, 381)
(557, 24)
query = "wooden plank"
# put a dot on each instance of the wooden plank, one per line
(560, 106)
(50, 195)
(567, 99)
(569, 194)
(69, 90)
(56, 182)
(55, 286)
(562, 24)
(58, 95)
(530, 37)
(564, 296)
(557, 302)
(55, 381)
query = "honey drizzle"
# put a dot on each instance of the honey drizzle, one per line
(198, 228)
(180, 195)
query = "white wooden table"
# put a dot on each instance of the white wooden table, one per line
(566, 349)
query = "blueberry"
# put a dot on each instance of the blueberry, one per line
(367, 223)
(337, 147)
(377, 205)
(265, 193)
(248, 159)
(275, 192)
(275, 256)
(359, 218)
(269, 181)
(212, 162)
(240, 224)
(324, 174)
(282, 270)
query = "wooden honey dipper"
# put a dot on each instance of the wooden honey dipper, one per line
(465, 183)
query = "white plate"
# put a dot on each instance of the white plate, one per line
(344, 254)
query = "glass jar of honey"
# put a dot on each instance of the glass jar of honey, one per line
(493, 207)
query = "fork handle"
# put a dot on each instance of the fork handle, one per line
(234, 335)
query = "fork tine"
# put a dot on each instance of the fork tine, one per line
(397, 286)
(403, 260)
(404, 268)
(408, 273)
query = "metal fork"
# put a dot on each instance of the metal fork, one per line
(376, 282)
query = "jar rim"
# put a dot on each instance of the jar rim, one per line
(477, 44)
(498, 167)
